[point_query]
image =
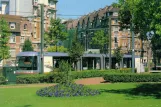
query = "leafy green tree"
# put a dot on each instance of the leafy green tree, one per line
(146, 17)
(76, 51)
(27, 46)
(100, 39)
(4, 38)
(118, 54)
(59, 49)
(68, 43)
(57, 32)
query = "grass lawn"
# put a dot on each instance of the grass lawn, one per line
(113, 95)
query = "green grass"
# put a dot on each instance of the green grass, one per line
(113, 95)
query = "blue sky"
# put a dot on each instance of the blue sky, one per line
(80, 7)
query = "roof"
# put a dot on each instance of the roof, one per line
(61, 54)
(28, 54)
(15, 19)
(56, 54)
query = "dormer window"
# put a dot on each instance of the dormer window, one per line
(12, 25)
(25, 26)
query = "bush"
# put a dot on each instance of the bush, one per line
(146, 69)
(62, 77)
(2, 80)
(40, 78)
(132, 77)
(1, 71)
(98, 73)
(67, 90)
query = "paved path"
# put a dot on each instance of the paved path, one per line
(90, 81)
(86, 81)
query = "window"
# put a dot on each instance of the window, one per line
(116, 21)
(115, 13)
(22, 39)
(115, 38)
(12, 25)
(25, 26)
(116, 45)
(13, 52)
(13, 38)
(116, 28)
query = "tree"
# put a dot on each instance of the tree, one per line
(146, 17)
(59, 49)
(118, 54)
(27, 46)
(100, 39)
(57, 32)
(68, 42)
(76, 51)
(4, 38)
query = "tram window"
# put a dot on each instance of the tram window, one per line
(35, 63)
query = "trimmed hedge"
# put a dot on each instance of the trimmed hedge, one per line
(2, 80)
(57, 77)
(40, 78)
(132, 77)
(1, 71)
(98, 73)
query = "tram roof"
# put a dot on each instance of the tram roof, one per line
(61, 54)
(56, 54)
(27, 54)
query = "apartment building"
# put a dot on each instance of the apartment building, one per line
(21, 28)
(99, 20)
(27, 8)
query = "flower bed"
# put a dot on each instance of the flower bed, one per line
(67, 90)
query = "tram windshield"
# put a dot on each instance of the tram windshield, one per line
(26, 63)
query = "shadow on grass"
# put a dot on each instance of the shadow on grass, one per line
(152, 90)
(25, 106)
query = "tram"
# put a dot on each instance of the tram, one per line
(29, 62)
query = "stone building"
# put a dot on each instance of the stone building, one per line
(99, 20)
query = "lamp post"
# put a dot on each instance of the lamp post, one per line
(85, 42)
(110, 59)
(149, 36)
(42, 39)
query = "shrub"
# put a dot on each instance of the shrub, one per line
(132, 77)
(67, 90)
(27, 79)
(98, 73)
(62, 77)
(2, 80)
(1, 71)
(146, 69)
(87, 74)
(64, 74)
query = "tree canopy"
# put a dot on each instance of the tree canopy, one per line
(4, 38)
(57, 32)
(100, 39)
(27, 46)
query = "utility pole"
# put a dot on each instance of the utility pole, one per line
(110, 43)
(133, 47)
(42, 39)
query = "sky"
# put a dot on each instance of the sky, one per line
(74, 8)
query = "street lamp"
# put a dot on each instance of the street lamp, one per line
(149, 37)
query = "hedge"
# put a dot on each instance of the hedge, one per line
(0, 72)
(56, 78)
(132, 77)
(35, 78)
(2, 80)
